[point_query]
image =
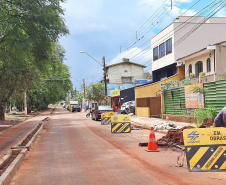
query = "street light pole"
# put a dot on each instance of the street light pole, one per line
(105, 78)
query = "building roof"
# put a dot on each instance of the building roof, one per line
(125, 61)
(204, 50)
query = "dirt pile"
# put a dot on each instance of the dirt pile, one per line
(173, 137)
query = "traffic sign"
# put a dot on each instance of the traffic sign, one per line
(106, 98)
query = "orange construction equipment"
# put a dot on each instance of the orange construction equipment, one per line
(152, 146)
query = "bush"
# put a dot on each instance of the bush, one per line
(14, 109)
(191, 75)
(35, 110)
(201, 74)
(211, 111)
(200, 115)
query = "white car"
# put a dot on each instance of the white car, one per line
(125, 108)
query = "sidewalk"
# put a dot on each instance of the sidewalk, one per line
(145, 122)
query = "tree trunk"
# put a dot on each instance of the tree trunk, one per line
(37, 106)
(2, 111)
(29, 107)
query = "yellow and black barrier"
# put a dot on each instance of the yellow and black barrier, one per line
(120, 124)
(106, 118)
(205, 149)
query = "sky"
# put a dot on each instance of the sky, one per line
(117, 29)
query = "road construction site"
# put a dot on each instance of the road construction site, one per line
(72, 149)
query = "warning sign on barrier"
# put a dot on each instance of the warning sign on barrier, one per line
(106, 118)
(205, 149)
(120, 124)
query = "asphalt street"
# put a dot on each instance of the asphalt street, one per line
(77, 150)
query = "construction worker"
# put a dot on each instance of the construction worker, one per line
(220, 119)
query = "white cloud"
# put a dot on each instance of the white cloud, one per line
(82, 16)
(135, 55)
(80, 9)
(162, 13)
(144, 57)
(86, 27)
(221, 13)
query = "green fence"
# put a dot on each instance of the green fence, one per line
(175, 101)
(215, 95)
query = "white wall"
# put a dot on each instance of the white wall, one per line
(209, 33)
(163, 36)
(117, 71)
(202, 58)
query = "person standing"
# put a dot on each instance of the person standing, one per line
(220, 119)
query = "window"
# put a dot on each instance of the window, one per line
(126, 79)
(162, 50)
(198, 68)
(190, 69)
(208, 64)
(155, 53)
(169, 46)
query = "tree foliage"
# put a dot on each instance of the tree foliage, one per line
(29, 32)
(96, 92)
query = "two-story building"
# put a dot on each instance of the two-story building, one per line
(209, 60)
(125, 72)
(184, 36)
(121, 76)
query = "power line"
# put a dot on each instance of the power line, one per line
(135, 40)
(163, 36)
(142, 53)
(178, 28)
(145, 25)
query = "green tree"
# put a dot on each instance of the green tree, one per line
(28, 30)
(79, 98)
(96, 92)
(53, 84)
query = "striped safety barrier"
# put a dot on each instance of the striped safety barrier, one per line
(106, 118)
(120, 124)
(205, 149)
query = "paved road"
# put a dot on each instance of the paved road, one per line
(76, 150)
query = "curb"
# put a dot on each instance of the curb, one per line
(21, 152)
(148, 127)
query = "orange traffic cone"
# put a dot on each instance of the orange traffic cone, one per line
(152, 146)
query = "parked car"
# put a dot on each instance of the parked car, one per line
(67, 107)
(128, 107)
(123, 108)
(96, 113)
(131, 107)
(64, 105)
(76, 108)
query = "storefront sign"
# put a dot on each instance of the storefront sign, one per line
(193, 100)
(115, 92)
(120, 87)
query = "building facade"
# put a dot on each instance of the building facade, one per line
(184, 36)
(125, 72)
(209, 61)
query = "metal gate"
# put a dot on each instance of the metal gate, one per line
(175, 101)
(215, 94)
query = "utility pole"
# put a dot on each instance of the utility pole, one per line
(105, 79)
(84, 86)
(25, 103)
(105, 72)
